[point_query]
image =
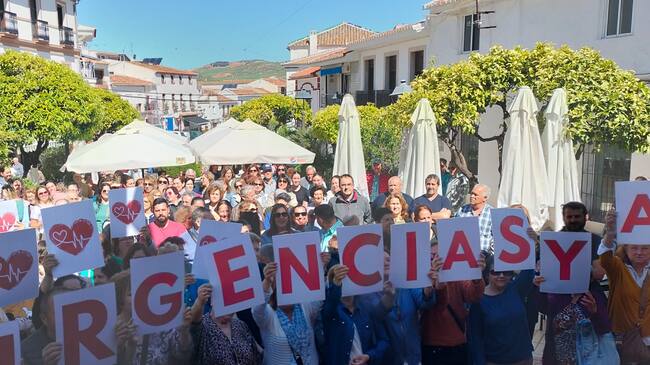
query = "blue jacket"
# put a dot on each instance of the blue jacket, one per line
(339, 326)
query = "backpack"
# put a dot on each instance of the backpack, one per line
(592, 349)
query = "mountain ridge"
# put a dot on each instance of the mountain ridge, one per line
(238, 71)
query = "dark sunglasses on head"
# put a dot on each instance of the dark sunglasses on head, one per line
(282, 214)
(504, 273)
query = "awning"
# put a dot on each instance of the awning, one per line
(194, 121)
(331, 71)
(306, 73)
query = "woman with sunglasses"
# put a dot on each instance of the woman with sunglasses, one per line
(280, 224)
(233, 191)
(100, 203)
(43, 200)
(498, 325)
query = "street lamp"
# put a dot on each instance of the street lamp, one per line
(402, 88)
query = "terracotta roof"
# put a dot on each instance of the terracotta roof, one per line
(275, 81)
(397, 29)
(249, 91)
(304, 73)
(93, 60)
(164, 69)
(225, 99)
(128, 80)
(339, 35)
(318, 57)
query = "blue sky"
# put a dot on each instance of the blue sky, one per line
(191, 33)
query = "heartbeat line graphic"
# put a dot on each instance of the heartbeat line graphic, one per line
(13, 274)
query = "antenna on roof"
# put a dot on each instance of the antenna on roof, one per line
(478, 22)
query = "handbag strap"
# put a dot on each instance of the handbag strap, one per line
(643, 302)
(456, 319)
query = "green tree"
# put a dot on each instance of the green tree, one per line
(273, 111)
(113, 112)
(607, 105)
(43, 101)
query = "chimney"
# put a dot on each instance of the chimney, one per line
(313, 42)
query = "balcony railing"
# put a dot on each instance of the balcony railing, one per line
(8, 23)
(67, 36)
(41, 31)
(378, 97)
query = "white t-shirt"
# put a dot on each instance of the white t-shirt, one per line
(356, 349)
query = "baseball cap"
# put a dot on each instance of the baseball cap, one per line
(267, 167)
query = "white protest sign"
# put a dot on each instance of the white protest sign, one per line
(157, 285)
(210, 232)
(85, 325)
(513, 249)
(410, 255)
(299, 278)
(633, 212)
(71, 235)
(233, 272)
(459, 247)
(127, 211)
(18, 266)
(10, 343)
(565, 262)
(362, 251)
(8, 215)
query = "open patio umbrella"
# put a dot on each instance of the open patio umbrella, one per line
(523, 176)
(421, 154)
(126, 150)
(248, 142)
(561, 165)
(348, 158)
(208, 137)
(151, 130)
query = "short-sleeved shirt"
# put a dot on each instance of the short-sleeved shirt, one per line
(171, 229)
(435, 205)
(302, 195)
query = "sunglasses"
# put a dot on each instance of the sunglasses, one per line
(504, 273)
(148, 184)
(283, 214)
(258, 184)
(300, 214)
(163, 182)
(282, 169)
(43, 193)
(238, 186)
(252, 170)
(283, 181)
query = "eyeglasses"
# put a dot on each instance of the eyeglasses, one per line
(163, 182)
(259, 184)
(252, 170)
(283, 181)
(148, 184)
(43, 193)
(300, 214)
(504, 273)
(282, 214)
(281, 169)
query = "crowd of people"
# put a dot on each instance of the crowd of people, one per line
(484, 321)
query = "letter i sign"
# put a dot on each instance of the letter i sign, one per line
(633, 212)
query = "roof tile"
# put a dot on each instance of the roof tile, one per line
(339, 35)
(128, 80)
(164, 69)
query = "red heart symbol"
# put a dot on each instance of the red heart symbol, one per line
(7, 222)
(12, 271)
(206, 240)
(126, 213)
(72, 240)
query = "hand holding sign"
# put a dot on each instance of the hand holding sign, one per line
(513, 247)
(127, 215)
(410, 255)
(8, 214)
(565, 260)
(10, 343)
(633, 207)
(362, 251)
(18, 266)
(460, 247)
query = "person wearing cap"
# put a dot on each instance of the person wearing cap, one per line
(269, 182)
(377, 180)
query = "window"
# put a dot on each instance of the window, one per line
(180, 80)
(391, 73)
(370, 75)
(189, 80)
(619, 17)
(471, 33)
(33, 10)
(59, 15)
(417, 64)
(172, 78)
(162, 78)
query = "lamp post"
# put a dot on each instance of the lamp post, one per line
(402, 88)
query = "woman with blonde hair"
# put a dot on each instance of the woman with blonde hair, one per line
(398, 207)
(43, 200)
(213, 195)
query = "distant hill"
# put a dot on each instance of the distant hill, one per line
(222, 71)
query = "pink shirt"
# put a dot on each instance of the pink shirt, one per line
(171, 229)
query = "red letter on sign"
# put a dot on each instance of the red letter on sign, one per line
(288, 260)
(459, 241)
(565, 258)
(411, 257)
(7, 349)
(142, 299)
(641, 201)
(517, 240)
(74, 336)
(351, 249)
(228, 276)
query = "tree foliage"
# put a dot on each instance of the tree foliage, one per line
(42, 101)
(607, 105)
(381, 139)
(273, 111)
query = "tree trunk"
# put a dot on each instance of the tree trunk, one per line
(32, 158)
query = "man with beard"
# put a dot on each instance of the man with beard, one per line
(162, 228)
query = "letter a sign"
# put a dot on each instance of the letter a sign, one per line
(459, 247)
(633, 208)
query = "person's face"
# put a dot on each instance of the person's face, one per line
(18, 186)
(283, 184)
(376, 168)
(162, 183)
(5, 194)
(434, 251)
(215, 196)
(189, 185)
(6, 173)
(147, 186)
(205, 181)
(259, 186)
(187, 200)
(281, 169)
(178, 184)
(394, 185)
(73, 191)
(281, 217)
(574, 219)
(295, 180)
(161, 213)
(130, 183)
(253, 170)
(43, 194)
(170, 195)
(395, 207)
(477, 196)
(268, 175)
(347, 187)
(30, 197)
(318, 197)
(224, 213)
(424, 216)
(157, 194)
(317, 180)
(386, 221)
(499, 279)
(198, 203)
(147, 204)
(432, 187)
(190, 175)
(139, 183)
(51, 188)
(300, 216)
(228, 175)
(100, 277)
(639, 255)
(309, 174)
(334, 185)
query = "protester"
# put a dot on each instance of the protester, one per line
(206, 180)
(162, 227)
(335, 187)
(137, 250)
(445, 175)
(302, 194)
(213, 196)
(457, 188)
(377, 180)
(280, 224)
(307, 180)
(299, 219)
(267, 177)
(398, 208)
(73, 193)
(22, 207)
(348, 202)
(17, 169)
(479, 207)
(19, 188)
(100, 204)
(439, 205)
(394, 188)
(423, 213)
(44, 200)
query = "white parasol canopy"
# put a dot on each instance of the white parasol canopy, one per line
(421, 156)
(151, 130)
(348, 158)
(523, 177)
(248, 142)
(561, 164)
(125, 150)
(209, 136)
